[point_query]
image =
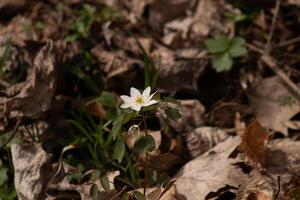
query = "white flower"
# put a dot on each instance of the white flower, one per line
(136, 100)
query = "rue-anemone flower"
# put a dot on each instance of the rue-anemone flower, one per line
(136, 100)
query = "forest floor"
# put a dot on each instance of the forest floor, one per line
(218, 117)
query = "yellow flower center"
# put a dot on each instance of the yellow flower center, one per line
(139, 100)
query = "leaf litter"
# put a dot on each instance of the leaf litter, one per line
(219, 162)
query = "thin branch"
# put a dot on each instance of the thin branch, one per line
(272, 64)
(274, 19)
(290, 85)
(288, 42)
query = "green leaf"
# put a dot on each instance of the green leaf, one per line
(95, 174)
(3, 175)
(236, 17)
(173, 113)
(117, 126)
(144, 143)
(108, 99)
(218, 44)
(125, 196)
(237, 47)
(105, 183)
(138, 196)
(94, 192)
(119, 151)
(222, 62)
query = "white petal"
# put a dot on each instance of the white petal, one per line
(146, 93)
(126, 99)
(134, 92)
(125, 105)
(148, 103)
(136, 107)
(150, 97)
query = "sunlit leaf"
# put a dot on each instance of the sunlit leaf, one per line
(222, 62)
(218, 44)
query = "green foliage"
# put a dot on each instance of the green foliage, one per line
(108, 13)
(119, 151)
(77, 177)
(144, 143)
(3, 174)
(94, 192)
(81, 27)
(138, 195)
(173, 113)
(151, 74)
(223, 50)
(6, 192)
(105, 183)
(82, 74)
(117, 126)
(125, 196)
(236, 17)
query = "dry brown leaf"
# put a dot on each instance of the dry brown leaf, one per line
(210, 172)
(32, 170)
(158, 15)
(34, 96)
(174, 71)
(165, 162)
(203, 139)
(254, 144)
(208, 17)
(259, 196)
(273, 105)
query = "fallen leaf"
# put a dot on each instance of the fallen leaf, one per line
(157, 15)
(192, 116)
(34, 96)
(32, 170)
(254, 144)
(173, 71)
(273, 105)
(259, 196)
(210, 172)
(208, 17)
(203, 139)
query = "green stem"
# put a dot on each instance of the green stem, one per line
(145, 163)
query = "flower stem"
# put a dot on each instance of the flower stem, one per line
(146, 158)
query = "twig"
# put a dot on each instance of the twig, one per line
(116, 195)
(288, 42)
(272, 64)
(278, 191)
(290, 85)
(12, 134)
(274, 19)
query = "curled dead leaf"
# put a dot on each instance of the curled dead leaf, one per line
(254, 144)
(34, 96)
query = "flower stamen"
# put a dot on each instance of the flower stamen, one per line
(139, 100)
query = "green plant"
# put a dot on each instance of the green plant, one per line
(7, 189)
(81, 27)
(223, 50)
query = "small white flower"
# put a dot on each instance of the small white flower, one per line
(136, 100)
